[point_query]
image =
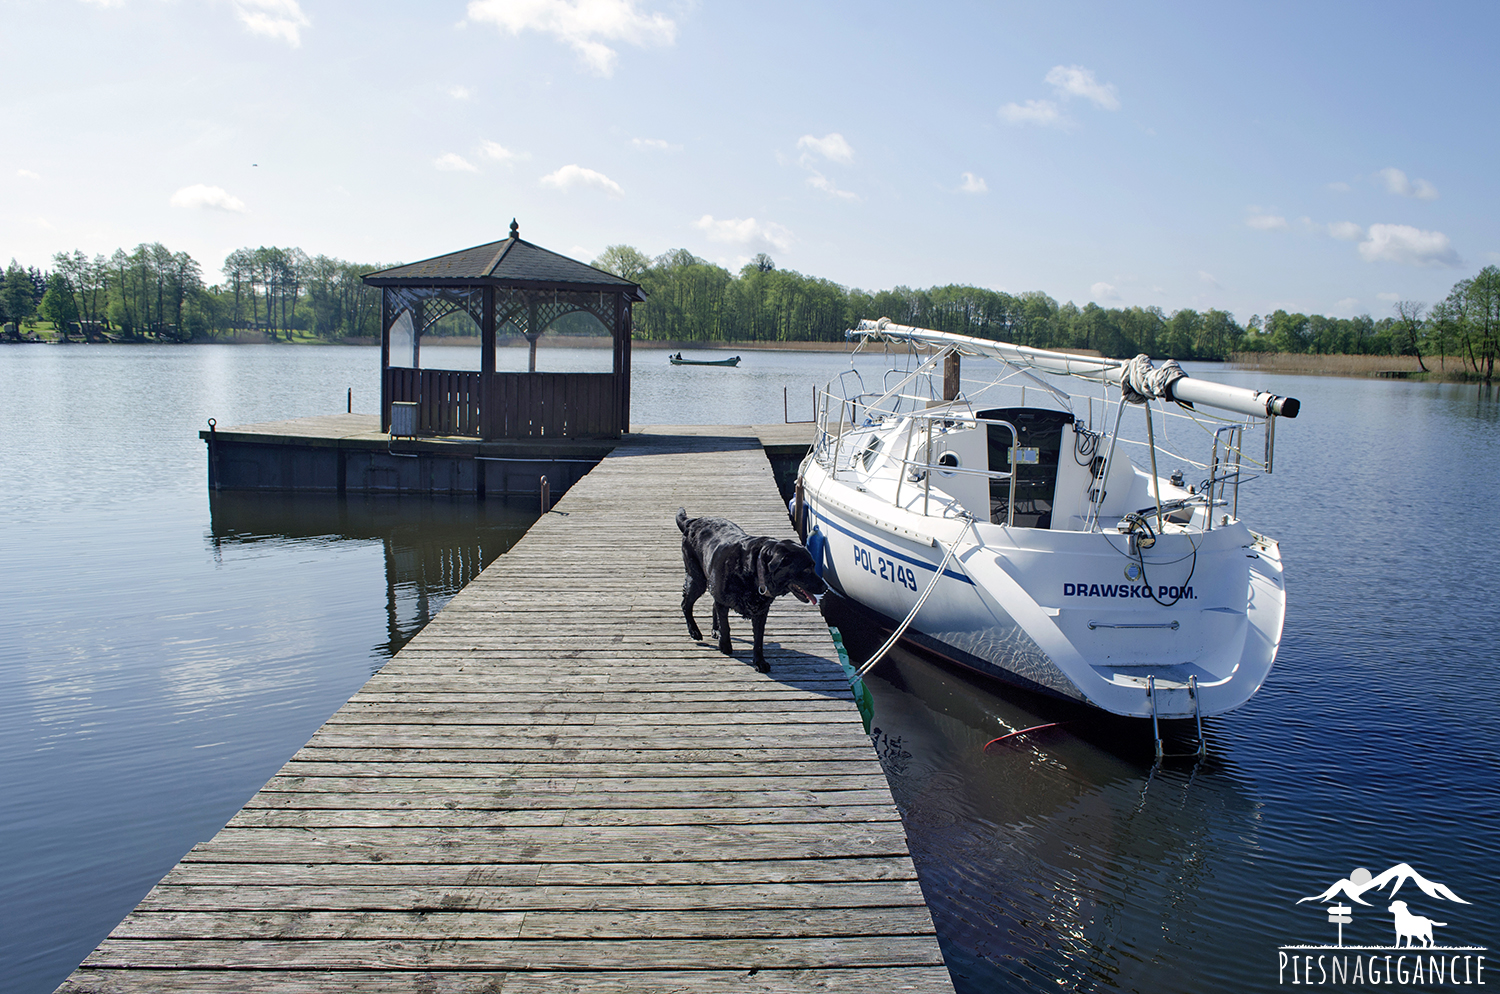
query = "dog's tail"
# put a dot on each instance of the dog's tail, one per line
(682, 520)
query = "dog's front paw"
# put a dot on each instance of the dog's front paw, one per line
(725, 646)
(761, 666)
(694, 631)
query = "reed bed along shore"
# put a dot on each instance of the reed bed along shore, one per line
(1381, 366)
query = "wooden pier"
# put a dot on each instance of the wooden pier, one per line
(553, 788)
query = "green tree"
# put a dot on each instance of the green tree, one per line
(625, 262)
(17, 295)
(1411, 319)
(58, 304)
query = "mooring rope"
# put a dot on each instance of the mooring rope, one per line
(901, 628)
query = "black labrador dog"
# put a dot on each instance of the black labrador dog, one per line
(742, 572)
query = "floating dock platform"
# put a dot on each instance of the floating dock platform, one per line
(553, 788)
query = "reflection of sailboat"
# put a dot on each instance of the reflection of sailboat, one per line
(1065, 857)
(432, 546)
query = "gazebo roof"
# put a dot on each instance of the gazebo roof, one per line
(512, 262)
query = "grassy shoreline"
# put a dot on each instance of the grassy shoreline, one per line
(1452, 369)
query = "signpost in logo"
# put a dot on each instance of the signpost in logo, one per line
(1416, 956)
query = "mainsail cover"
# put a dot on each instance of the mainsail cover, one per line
(1177, 385)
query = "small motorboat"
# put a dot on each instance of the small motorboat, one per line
(1021, 540)
(677, 360)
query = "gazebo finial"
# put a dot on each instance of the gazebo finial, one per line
(515, 229)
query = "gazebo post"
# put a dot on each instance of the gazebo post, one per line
(385, 359)
(532, 331)
(622, 333)
(487, 330)
(418, 315)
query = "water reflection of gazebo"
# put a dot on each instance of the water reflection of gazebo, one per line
(509, 282)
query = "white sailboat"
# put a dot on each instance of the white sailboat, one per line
(1022, 541)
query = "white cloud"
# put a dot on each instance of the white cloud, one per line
(1104, 291)
(655, 145)
(1261, 221)
(585, 25)
(1345, 231)
(1043, 112)
(201, 197)
(460, 92)
(106, 3)
(1347, 304)
(1396, 182)
(831, 146)
(574, 175)
(452, 162)
(273, 18)
(1076, 81)
(1068, 82)
(745, 231)
(27, 174)
(499, 153)
(820, 182)
(1403, 243)
(1389, 298)
(973, 184)
(1210, 279)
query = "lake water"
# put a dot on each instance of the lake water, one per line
(163, 654)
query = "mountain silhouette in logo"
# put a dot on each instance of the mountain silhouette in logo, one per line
(1361, 882)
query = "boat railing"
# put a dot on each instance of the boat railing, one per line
(920, 468)
(1224, 469)
(924, 469)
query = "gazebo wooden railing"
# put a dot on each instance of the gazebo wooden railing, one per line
(509, 405)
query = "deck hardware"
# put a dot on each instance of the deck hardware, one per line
(1174, 625)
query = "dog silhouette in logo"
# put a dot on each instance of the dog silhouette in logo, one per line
(1410, 926)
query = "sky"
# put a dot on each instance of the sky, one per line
(1327, 158)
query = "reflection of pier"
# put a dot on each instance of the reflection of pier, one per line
(552, 787)
(433, 548)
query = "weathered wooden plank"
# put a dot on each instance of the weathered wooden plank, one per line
(428, 716)
(584, 844)
(592, 763)
(916, 980)
(730, 803)
(430, 924)
(838, 952)
(356, 892)
(478, 815)
(662, 873)
(666, 787)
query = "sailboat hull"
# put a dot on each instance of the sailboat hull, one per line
(1055, 611)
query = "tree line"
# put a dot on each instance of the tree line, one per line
(152, 293)
(155, 294)
(691, 299)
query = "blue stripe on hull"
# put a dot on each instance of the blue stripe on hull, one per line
(893, 553)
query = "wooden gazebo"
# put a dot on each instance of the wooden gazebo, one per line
(506, 282)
